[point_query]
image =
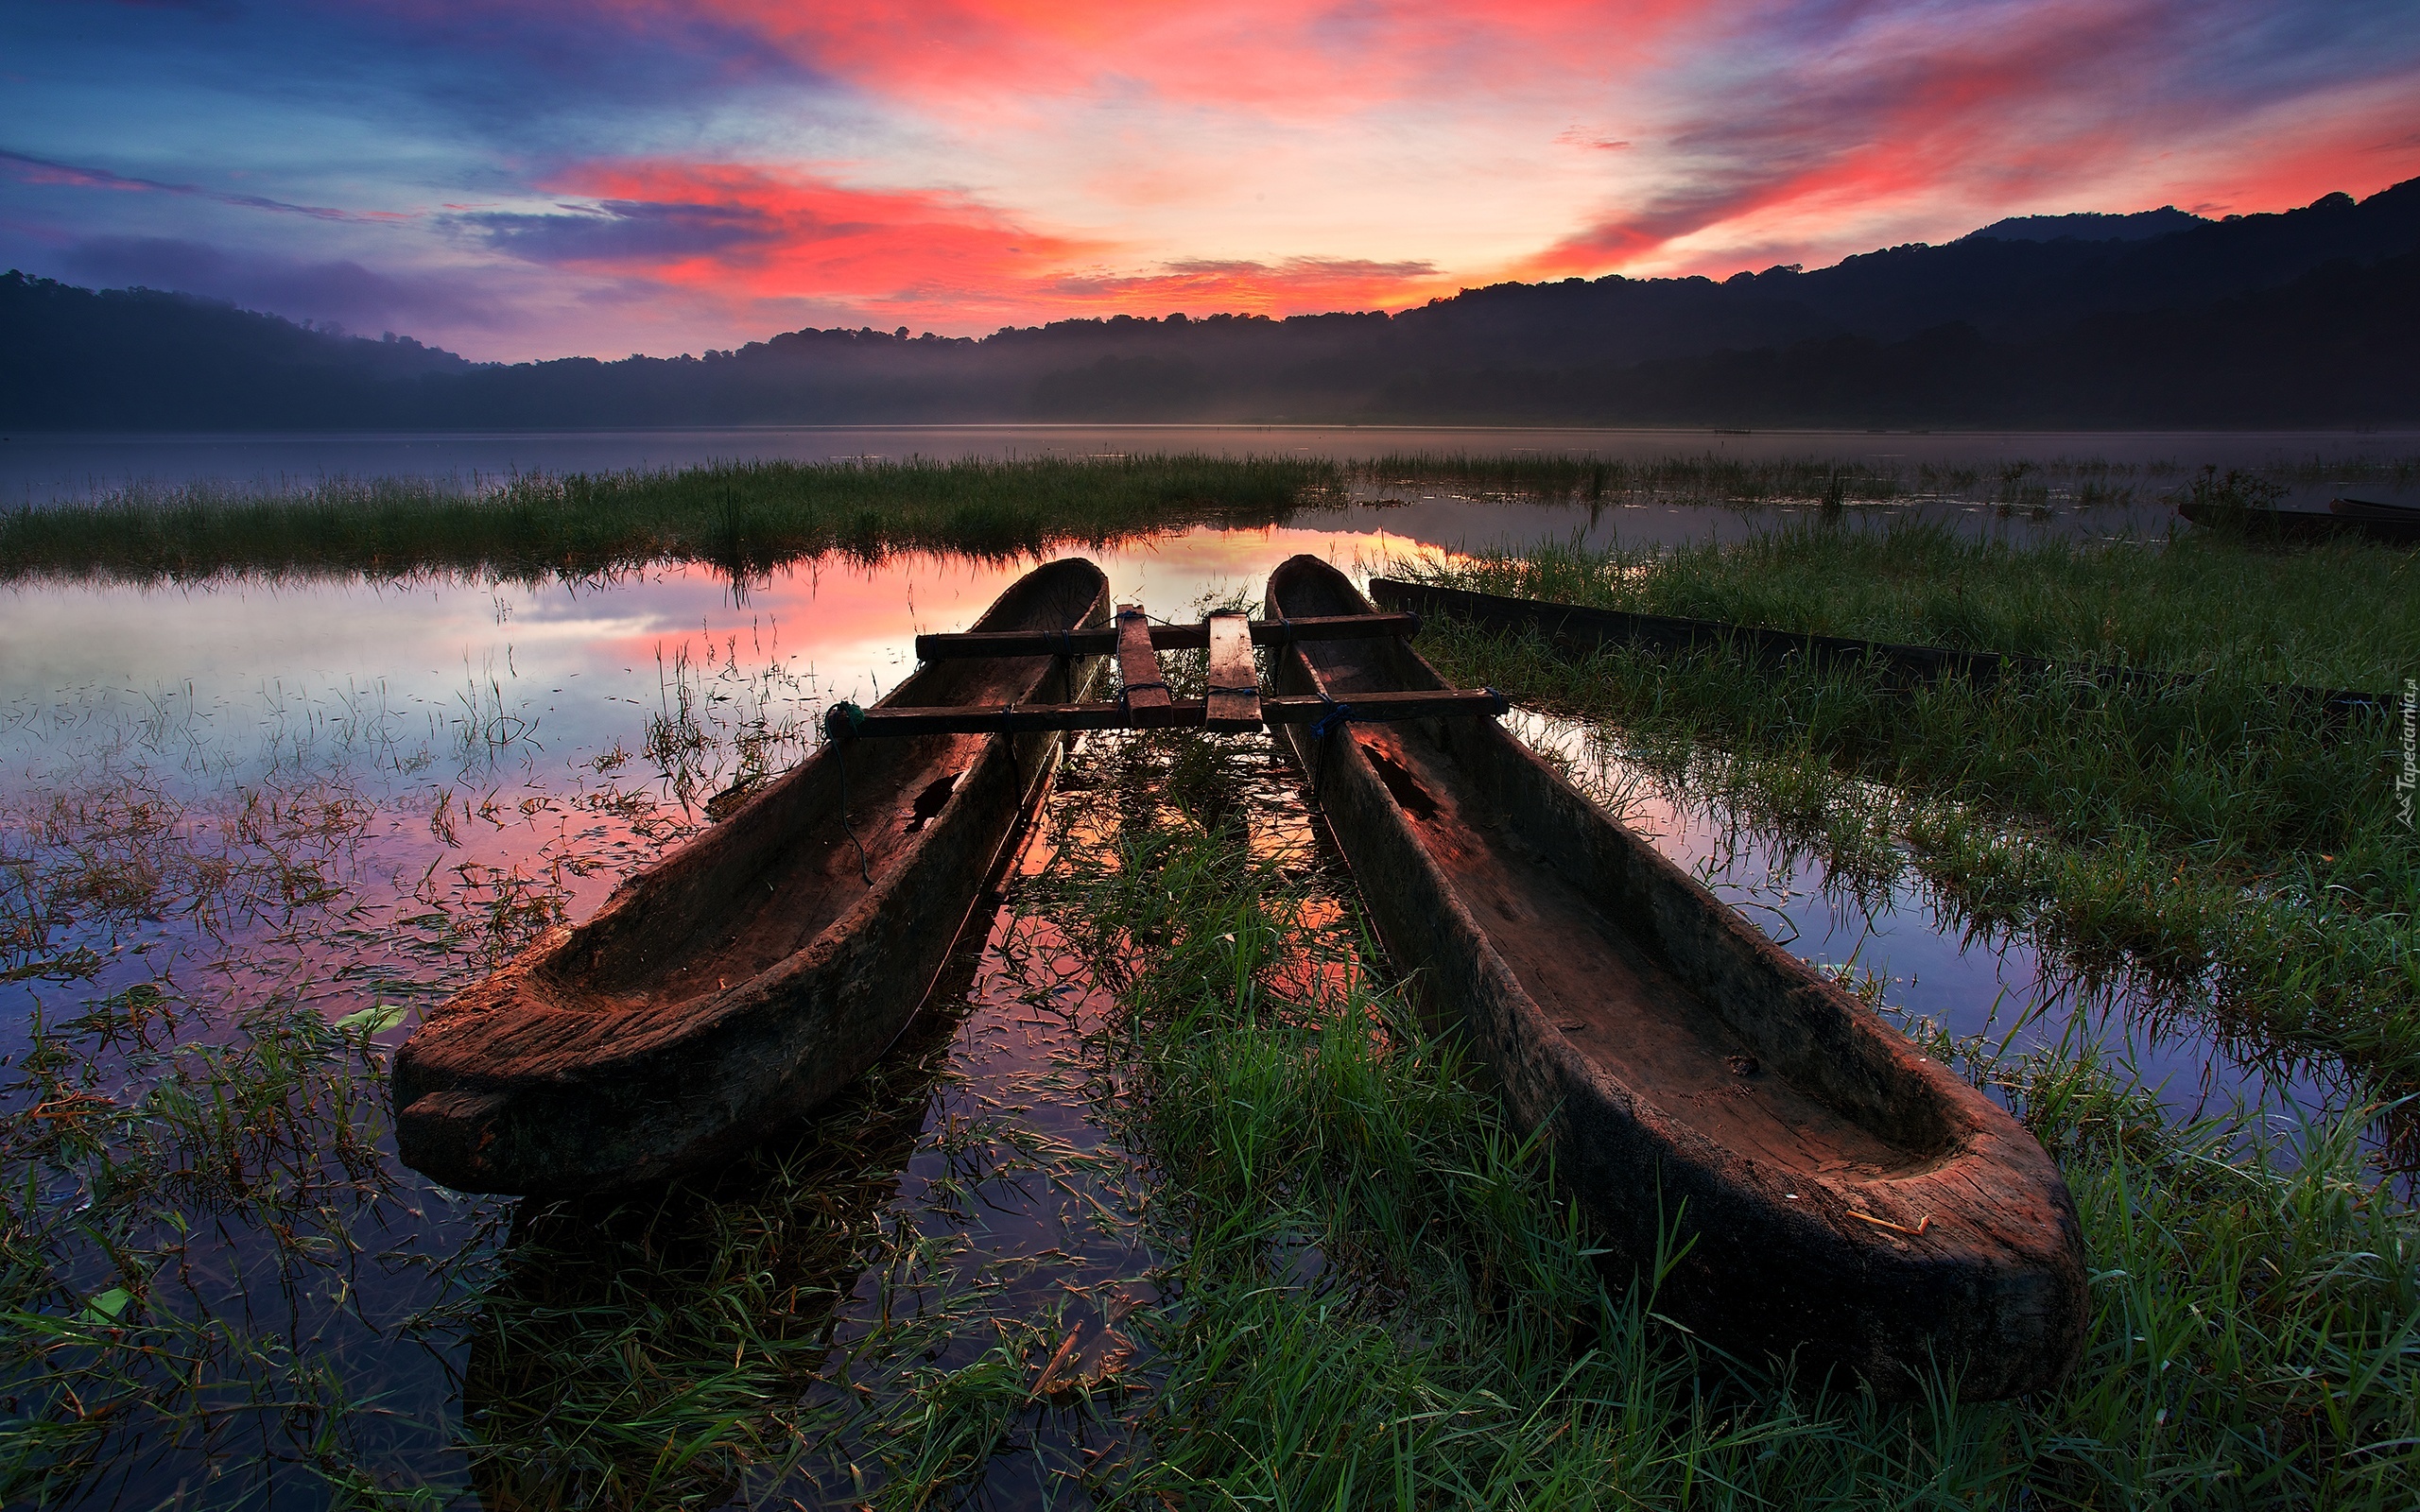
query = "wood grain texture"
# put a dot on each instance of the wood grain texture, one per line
(1842, 1199)
(1231, 696)
(736, 985)
(952, 646)
(1145, 690)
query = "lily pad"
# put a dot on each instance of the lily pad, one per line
(107, 1306)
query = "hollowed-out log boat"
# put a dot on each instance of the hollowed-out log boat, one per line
(2392, 524)
(1833, 1195)
(740, 982)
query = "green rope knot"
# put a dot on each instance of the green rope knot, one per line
(842, 721)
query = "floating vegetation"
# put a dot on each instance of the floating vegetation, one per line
(742, 518)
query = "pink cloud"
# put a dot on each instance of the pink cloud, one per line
(755, 233)
(1293, 58)
(2034, 108)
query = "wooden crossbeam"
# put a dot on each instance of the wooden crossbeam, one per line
(1363, 708)
(962, 645)
(1233, 685)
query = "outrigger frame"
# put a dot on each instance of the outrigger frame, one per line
(1233, 700)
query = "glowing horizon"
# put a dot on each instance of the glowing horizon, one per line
(520, 181)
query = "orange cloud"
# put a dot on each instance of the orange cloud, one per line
(1294, 286)
(926, 256)
(772, 234)
(1915, 130)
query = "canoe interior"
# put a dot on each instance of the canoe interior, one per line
(1608, 985)
(1847, 1202)
(740, 982)
(760, 887)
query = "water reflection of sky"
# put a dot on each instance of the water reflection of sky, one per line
(207, 687)
(245, 671)
(1934, 964)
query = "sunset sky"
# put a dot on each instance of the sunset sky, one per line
(516, 179)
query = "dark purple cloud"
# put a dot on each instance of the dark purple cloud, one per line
(342, 291)
(34, 170)
(617, 231)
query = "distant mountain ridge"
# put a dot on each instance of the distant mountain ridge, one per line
(2089, 226)
(2304, 317)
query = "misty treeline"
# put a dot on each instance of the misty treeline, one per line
(2305, 318)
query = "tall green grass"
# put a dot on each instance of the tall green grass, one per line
(2210, 832)
(743, 518)
(1381, 1299)
(1856, 476)
(2341, 615)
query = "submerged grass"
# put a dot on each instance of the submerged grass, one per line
(1379, 1297)
(744, 518)
(1364, 1288)
(2211, 832)
(2345, 614)
(1836, 481)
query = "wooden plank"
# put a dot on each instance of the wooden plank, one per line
(1146, 692)
(979, 719)
(1334, 627)
(1233, 687)
(968, 646)
(1386, 707)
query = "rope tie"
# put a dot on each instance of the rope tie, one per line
(841, 723)
(1338, 712)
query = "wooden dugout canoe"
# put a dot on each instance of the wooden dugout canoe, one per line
(2386, 524)
(743, 980)
(1583, 627)
(1845, 1200)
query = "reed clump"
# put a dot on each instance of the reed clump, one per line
(744, 518)
(2210, 829)
(1835, 480)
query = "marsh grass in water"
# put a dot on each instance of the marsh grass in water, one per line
(2211, 832)
(214, 1276)
(1835, 482)
(1226, 1226)
(2342, 616)
(1180, 1206)
(1377, 1295)
(744, 519)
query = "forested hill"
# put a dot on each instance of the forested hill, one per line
(2307, 317)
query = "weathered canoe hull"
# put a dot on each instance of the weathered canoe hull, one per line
(601, 1057)
(1583, 627)
(2384, 524)
(1991, 1291)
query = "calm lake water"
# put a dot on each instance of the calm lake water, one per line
(351, 796)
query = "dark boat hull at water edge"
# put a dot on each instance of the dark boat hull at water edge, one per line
(1835, 1196)
(2388, 524)
(735, 986)
(1585, 627)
